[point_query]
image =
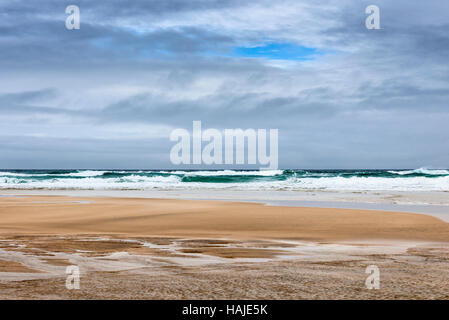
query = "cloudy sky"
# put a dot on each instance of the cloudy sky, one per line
(109, 94)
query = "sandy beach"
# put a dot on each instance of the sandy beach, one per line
(192, 249)
(244, 150)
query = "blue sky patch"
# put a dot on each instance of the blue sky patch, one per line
(278, 51)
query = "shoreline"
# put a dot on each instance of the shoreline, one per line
(429, 203)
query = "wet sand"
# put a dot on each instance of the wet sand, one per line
(180, 249)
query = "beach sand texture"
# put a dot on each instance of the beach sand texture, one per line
(165, 249)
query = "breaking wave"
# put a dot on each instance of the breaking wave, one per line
(421, 179)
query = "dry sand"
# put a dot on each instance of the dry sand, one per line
(63, 215)
(165, 249)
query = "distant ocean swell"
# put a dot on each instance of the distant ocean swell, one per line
(401, 180)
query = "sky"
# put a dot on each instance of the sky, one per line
(109, 94)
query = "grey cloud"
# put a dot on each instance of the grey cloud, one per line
(26, 96)
(377, 98)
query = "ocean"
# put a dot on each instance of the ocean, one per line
(346, 180)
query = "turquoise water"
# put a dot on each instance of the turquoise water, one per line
(417, 179)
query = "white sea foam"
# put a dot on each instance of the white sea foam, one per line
(272, 180)
(374, 183)
(92, 183)
(174, 182)
(422, 171)
(80, 173)
(17, 174)
(83, 173)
